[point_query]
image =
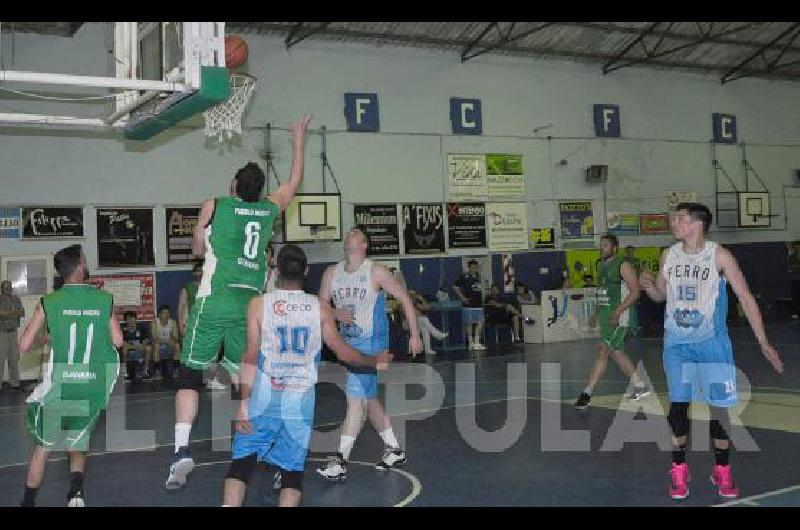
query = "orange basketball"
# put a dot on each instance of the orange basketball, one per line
(235, 51)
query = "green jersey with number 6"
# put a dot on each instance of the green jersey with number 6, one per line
(235, 241)
(83, 364)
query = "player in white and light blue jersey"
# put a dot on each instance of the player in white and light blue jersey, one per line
(356, 288)
(698, 357)
(286, 328)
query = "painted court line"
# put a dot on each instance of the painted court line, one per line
(751, 500)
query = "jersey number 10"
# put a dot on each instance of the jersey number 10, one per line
(299, 339)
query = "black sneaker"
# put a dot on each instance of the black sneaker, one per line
(583, 401)
(75, 499)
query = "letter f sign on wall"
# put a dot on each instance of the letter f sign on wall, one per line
(361, 112)
(606, 120)
(465, 116)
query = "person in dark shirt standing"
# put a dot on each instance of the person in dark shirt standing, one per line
(469, 290)
(11, 311)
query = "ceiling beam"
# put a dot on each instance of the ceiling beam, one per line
(504, 39)
(608, 67)
(606, 27)
(296, 35)
(737, 71)
(655, 53)
(359, 35)
(74, 27)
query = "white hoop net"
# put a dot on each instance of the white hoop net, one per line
(225, 120)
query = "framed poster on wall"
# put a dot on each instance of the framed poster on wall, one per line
(125, 237)
(52, 222)
(380, 223)
(132, 292)
(423, 228)
(181, 223)
(466, 225)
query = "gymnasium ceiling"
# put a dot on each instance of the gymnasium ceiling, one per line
(727, 50)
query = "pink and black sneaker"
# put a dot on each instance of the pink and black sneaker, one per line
(722, 477)
(679, 483)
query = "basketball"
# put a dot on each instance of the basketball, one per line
(235, 51)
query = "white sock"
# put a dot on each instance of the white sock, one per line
(182, 432)
(388, 438)
(587, 391)
(346, 445)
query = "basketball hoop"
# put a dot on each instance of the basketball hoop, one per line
(225, 119)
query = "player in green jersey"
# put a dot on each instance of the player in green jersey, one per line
(80, 372)
(232, 234)
(617, 291)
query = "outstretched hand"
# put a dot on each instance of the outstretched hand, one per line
(299, 127)
(384, 360)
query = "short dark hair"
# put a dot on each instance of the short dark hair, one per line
(611, 238)
(130, 314)
(249, 182)
(698, 212)
(292, 263)
(472, 262)
(163, 307)
(67, 260)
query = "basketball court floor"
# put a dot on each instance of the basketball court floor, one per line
(539, 467)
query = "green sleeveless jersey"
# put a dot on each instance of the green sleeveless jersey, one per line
(235, 241)
(83, 362)
(611, 289)
(191, 293)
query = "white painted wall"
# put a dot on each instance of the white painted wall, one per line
(666, 123)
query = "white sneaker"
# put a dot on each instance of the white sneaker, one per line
(76, 500)
(179, 470)
(431, 352)
(392, 457)
(215, 385)
(478, 346)
(335, 470)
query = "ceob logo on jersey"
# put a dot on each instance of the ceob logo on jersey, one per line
(281, 307)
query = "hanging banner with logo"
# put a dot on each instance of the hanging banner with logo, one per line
(10, 221)
(674, 198)
(52, 222)
(543, 238)
(507, 225)
(380, 223)
(505, 176)
(181, 223)
(423, 228)
(467, 176)
(582, 265)
(653, 224)
(622, 224)
(466, 224)
(577, 224)
(132, 292)
(125, 237)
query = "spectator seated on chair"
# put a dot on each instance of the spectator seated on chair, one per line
(500, 312)
(136, 348)
(426, 328)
